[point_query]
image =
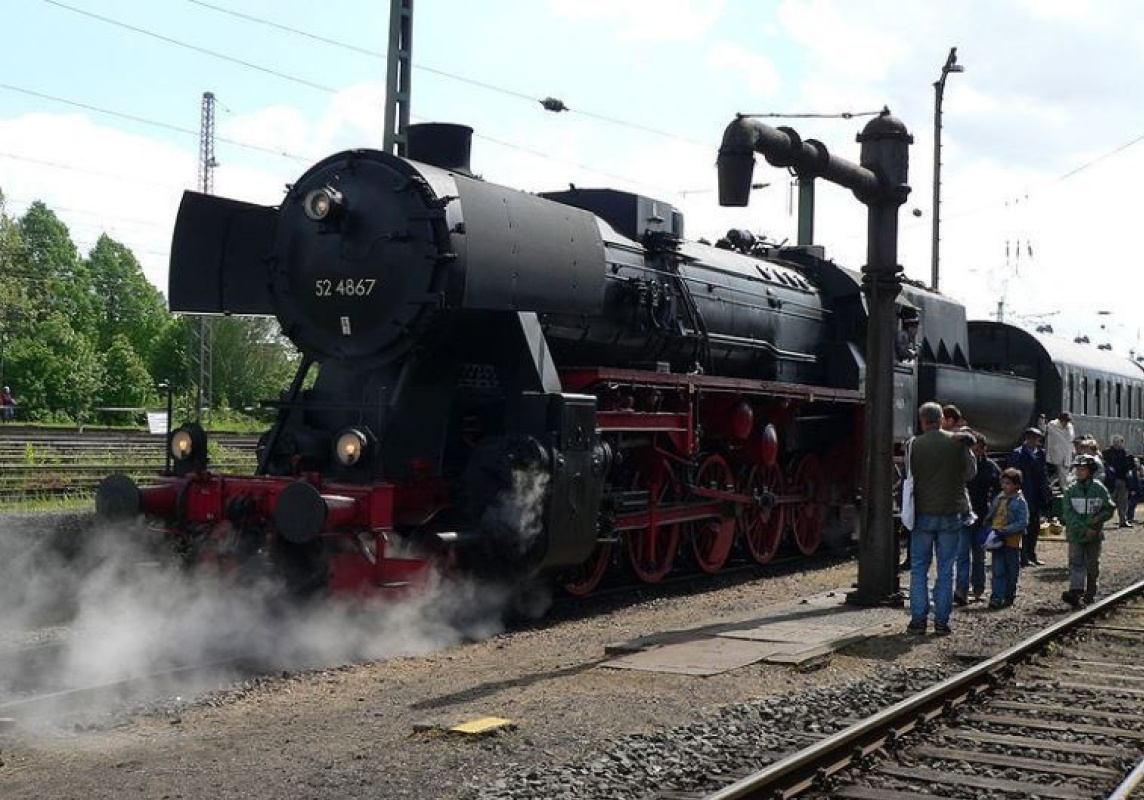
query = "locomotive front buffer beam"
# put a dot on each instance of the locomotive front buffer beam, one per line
(879, 182)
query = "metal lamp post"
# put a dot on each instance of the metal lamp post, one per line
(170, 389)
(951, 65)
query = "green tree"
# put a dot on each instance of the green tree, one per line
(15, 305)
(252, 361)
(128, 304)
(58, 280)
(126, 381)
(171, 355)
(53, 370)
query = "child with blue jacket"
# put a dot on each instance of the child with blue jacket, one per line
(1008, 517)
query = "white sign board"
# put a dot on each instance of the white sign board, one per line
(157, 423)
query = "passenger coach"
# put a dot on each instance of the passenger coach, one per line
(1103, 391)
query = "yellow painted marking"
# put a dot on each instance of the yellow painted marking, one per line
(483, 725)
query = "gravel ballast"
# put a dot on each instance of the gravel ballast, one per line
(376, 729)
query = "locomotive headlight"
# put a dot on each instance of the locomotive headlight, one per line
(181, 445)
(350, 446)
(323, 205)
(188, 443)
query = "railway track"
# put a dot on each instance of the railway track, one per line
(1060, 715)
(69, 700)
(43, 464)
(36, 686)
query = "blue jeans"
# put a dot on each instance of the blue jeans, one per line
(1006, 570)
(932, 533)
(970, 561)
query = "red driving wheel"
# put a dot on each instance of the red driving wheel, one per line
(762, 525)
(584, 579)
(808, 516)
(652, 550)
(711, 539)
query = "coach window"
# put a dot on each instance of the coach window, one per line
(1097, 409)
(1072, 392)
(1084, 395)
(1119, 406)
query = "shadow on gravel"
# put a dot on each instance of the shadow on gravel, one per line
(1047, 574)
(886, 648)
(489, 689)
(622, 596)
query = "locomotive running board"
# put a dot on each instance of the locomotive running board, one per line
(578, 379)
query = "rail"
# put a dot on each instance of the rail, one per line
(38, 464)
(803, 770)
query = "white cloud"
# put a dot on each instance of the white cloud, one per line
(755, 70)
(856, 46)
(1035, 100)
(137, 209)
(280, 128)
(1059, 9)
(647, 20)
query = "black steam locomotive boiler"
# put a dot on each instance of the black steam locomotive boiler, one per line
(552, 385)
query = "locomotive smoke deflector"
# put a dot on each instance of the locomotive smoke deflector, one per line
(218, 256)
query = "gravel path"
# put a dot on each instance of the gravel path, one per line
(374, 729)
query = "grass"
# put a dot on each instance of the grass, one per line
(221, 421)
(80, 501)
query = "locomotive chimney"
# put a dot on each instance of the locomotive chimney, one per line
(441, 144)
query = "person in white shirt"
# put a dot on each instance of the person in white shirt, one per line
(1059, 447)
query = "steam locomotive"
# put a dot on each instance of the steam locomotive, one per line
(552, 386)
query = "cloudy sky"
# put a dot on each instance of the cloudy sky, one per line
(1039, 144)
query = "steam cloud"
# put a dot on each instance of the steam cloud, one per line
(517, 515)
(125, 611)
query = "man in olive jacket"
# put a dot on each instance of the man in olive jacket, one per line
(1087, 506)
(941, 463)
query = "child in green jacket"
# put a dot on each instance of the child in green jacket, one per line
(1087, 506)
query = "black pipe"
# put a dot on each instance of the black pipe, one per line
(170, 409)
(782, 147)
(283, 414)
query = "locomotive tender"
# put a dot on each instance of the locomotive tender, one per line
(534, 385)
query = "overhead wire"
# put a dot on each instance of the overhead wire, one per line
(276, 73)
(443, 73)
(102, 215)
(187, 46)
(88, 244)
(151, 122)
(492, 87)
(1058, 179)
(98, 173)
(811, 115)
(1005, 201)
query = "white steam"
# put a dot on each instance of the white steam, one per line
(516, 516)
(124, 611)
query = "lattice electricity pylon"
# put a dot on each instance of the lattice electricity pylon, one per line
(399, 73)
(207, 162)
(202, 350)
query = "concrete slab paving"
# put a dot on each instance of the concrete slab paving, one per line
(794, 633)
(706, 656)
